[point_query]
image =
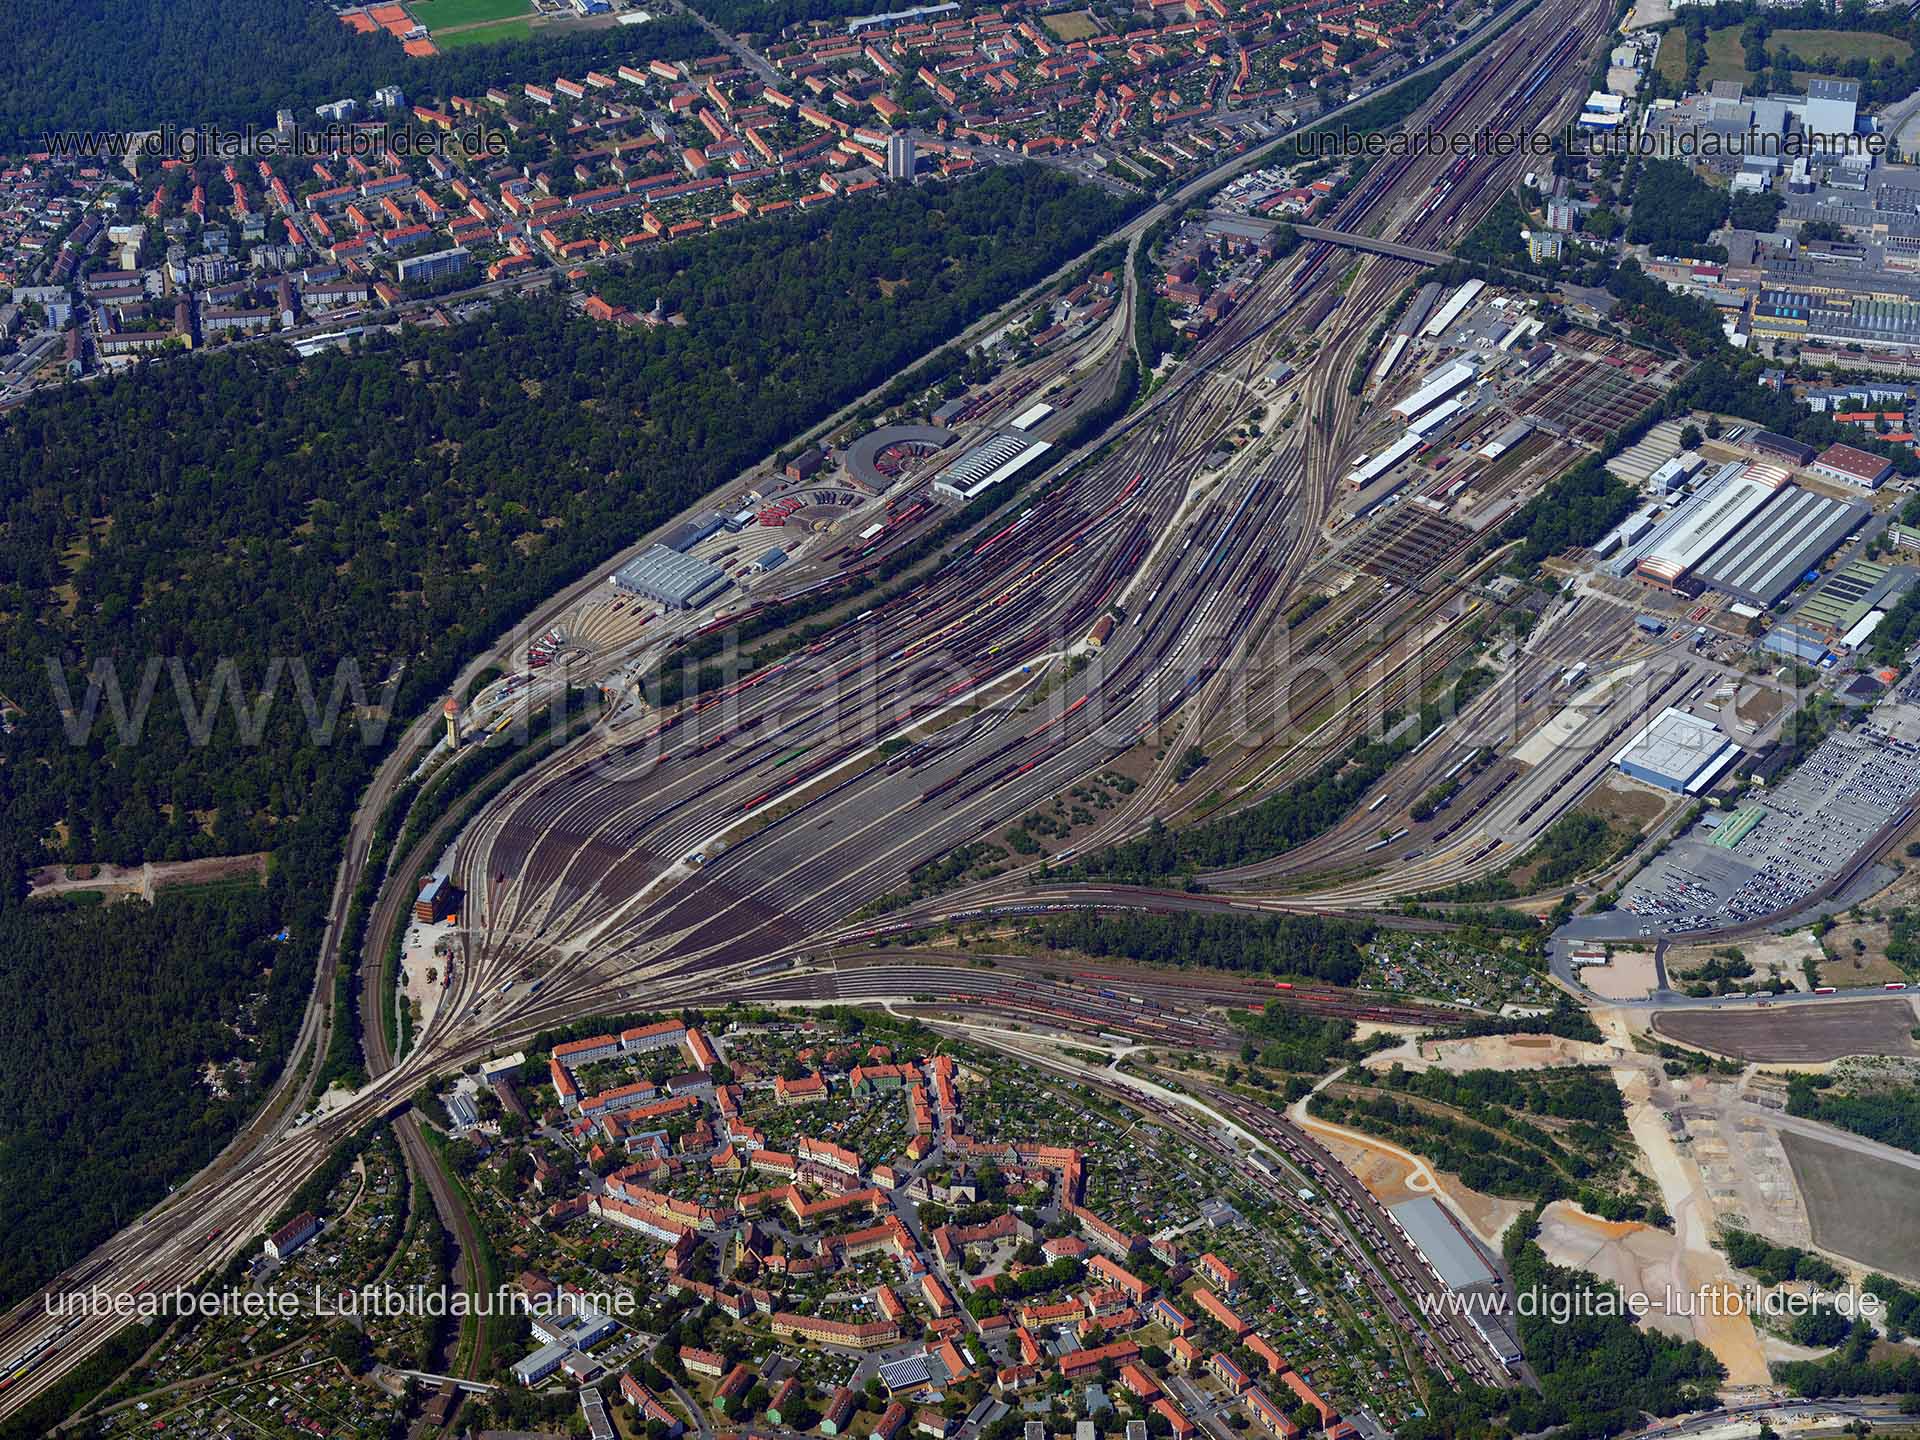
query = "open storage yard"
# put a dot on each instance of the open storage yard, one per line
(1796, 1034)
(1862, 1206)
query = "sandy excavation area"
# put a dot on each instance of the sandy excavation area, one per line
(1496, 1052)
(1644, 1261)
(1685, 1264)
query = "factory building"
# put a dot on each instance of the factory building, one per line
(1744, 531)
(1443, 383)
(1795, 642)
(1851, 465)
(1848, 596)
(689, 533)
(668, 578)
(1453, 309)
(1782, 447)
(1461, 1265)
(1436, 420)
(1678, 752)
(437, 901)
(1717, 511)
(1682, 470)
(1831, 109)
(1368, 471)
(1791, 534)
(292, 1235)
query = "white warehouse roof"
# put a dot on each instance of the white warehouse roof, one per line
(1869, 623)
(1452, 310)
(1714, 515)
(987, 465)
(1364, 475)
(1677, 751)
(1438, 387)
(1436, 419)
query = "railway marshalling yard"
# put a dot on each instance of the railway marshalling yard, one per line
(1250, 581)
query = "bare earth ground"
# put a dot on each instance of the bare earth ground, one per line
(1798, 1034)
(1770, 955)
(416, 958)
(1862, 1207)
(142, 880)
(1648, 12)
(1685, 1263)
(1629, 975)
(1644, 1261)
(1393, 1175)
(1498, 1052)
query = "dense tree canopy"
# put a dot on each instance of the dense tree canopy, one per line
(102, 1100)
(1889, 1114)
(1577, 509)
(1303, 946)
(1674, 210)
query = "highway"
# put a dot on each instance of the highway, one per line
(686, 855)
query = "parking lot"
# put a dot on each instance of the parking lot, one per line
(1811, 824)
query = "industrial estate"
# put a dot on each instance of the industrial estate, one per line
(1302, 823)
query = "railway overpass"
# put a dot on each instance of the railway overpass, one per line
(1346, 240)
(1372, 246)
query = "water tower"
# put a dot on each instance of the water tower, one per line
(452, 712)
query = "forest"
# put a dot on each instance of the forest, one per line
(1577, 509)
(88, 65)
(1571, 846)
(370, 519)
(1305, 947)
(1283, 1038)
(1855, 1370)
(100, 1105)
(1674, 211)
(1889, 1114)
